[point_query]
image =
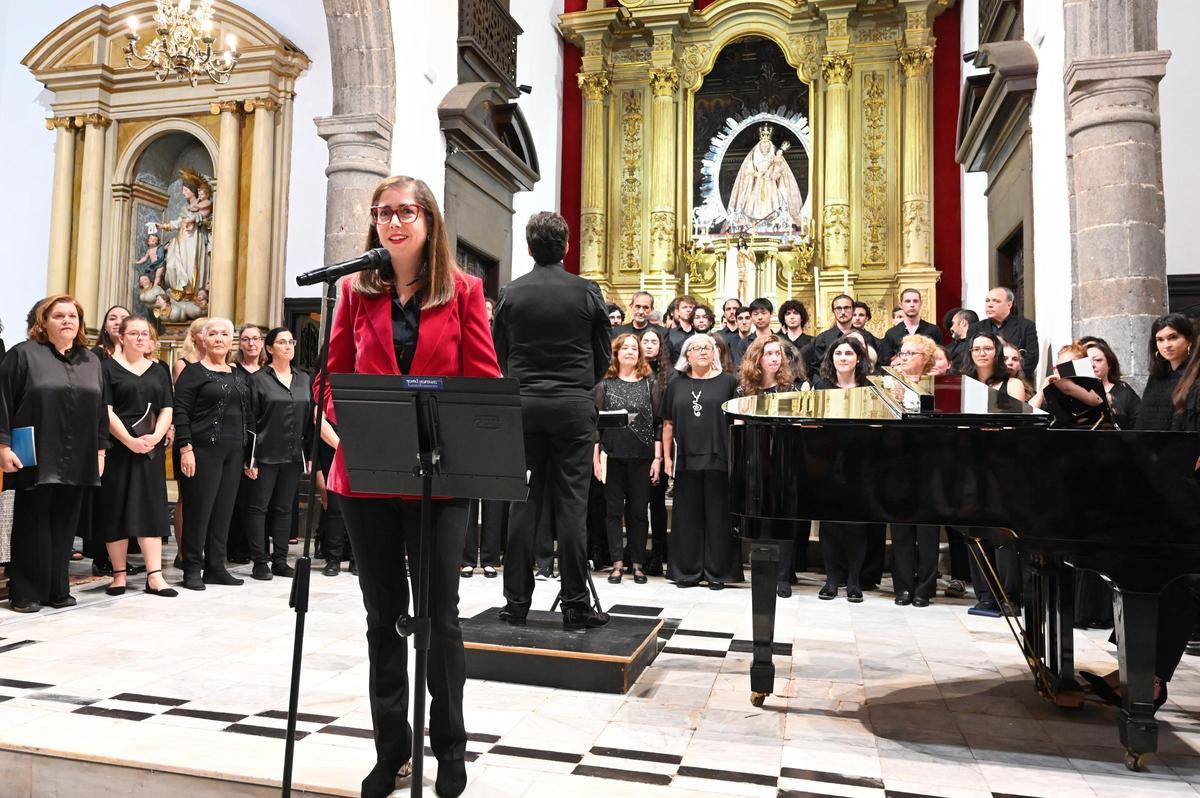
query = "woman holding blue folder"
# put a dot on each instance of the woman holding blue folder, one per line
(51, 389)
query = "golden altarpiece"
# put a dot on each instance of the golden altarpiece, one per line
(199, 171)
(758, 148)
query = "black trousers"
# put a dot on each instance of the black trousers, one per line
(559, 436)
(272, 495)
(485, 533)
(543, 543)
(208, 499)
(45, 519)
(627, 497)
(875, 563)
(597, 526)
(238, 543)
(703, 545)
(383, 532)
(331, 529)
(658, 520)
(960, 559)
(915, 559)
(844, 550)
(1007, 563)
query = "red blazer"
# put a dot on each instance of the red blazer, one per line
(453, 341)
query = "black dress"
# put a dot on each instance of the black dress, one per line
(133, 492)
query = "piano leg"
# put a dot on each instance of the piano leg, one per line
(1136, 621)
(1050, 630)
(764, 572)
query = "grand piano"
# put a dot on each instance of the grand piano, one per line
(1122, 503)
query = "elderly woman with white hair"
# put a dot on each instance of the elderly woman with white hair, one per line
(696, 452)
(212, 407)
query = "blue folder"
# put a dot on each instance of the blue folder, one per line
(23, 446)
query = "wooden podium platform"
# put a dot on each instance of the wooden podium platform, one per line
(608, 659)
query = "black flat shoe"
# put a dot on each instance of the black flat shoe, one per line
(69, 601)
(614, 577)
(827, 592)
(31, 606)
(854, 595)
(466, 572)
(221, 578)
(116, 591)
(687, 584)
(451, 778)
(166, 592)
(903, 599)
(920, 601)
(512, 617)
(331, 568)
(783, 590)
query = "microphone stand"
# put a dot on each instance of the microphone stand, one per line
(300, 585)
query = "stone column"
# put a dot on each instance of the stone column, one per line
(61, 205)
(593, 211)
(1115, 173)
(916, 61)
(359, 157)
(664, 83)
(222, 296)
(837, 70)
(91, 214)
(262, 198)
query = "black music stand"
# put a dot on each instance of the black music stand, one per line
(456, 437)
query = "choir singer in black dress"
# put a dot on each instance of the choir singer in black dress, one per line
(417, 315)
(696, 452)
(212, 408)
(133, 492)
(53, 384)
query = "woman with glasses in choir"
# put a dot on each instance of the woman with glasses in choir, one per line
(249, 358)
(695, 445)
(193, 351)
(986, 364)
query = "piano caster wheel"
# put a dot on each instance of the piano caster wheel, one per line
(758, 699)
(1136, 762)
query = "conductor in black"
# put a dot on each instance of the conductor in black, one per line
(552, 334)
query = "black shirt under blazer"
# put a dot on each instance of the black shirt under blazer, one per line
(200, 404)
(894, 338)
(552, 333)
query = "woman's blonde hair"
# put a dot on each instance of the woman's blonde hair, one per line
(927, 346)
(189, 340)
(439, 271)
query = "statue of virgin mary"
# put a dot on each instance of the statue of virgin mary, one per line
(189, 253)
(766, 191)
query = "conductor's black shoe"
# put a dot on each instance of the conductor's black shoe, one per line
(29, 606)
(920, 601)
(716, 585)
(828, 591)
(283, 569)
(221, 577)
(261, 572)
(575, 620)
(69, 601)
(451, 778)
(512, 617)
(332, 568)
(383, 779)
(854, 595)
(903, 598)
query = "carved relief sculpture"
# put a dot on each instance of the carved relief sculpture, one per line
(874, 178)
(631, 181)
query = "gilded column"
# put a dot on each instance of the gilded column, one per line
(91, 214)
(262, 199)
(664, 83)
(592, 221)
(62, 197)
(916, 61)
(836, 68)
(223, 293)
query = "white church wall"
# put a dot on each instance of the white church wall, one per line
(1177, 21)
(974, 201)
(539, 64)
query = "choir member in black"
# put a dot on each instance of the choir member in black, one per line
(959, 348)
(859, 317)
(1014, 366)
(696, 453)
(193, 351)
(793, 318)
(109, 340)
(843, 546)
(702, 319)
(1082, 403)
(634, 452)
(282, 421)
(767, 368)
(660, 364)
(616, 316)
(986, 364)
(52, 383)
(435, 325)
(1003, 322)
(641, 306)
(683, 308)
(1122, 399)
(843, 311)
(212, 409)
(910, 323)
(133, 492)
(729, 326)
(1171, 338)
(250, 357)
(915, 546)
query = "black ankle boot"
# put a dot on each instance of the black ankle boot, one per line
(381, 781)
(451, 778)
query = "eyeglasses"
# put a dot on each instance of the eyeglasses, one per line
(250, 340)
(911, 354)
(406, 214)
(138, 334)
(284, 342)
(699, 348)
(982, 350)
(843, 307)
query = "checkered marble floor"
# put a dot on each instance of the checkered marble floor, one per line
(871, 700)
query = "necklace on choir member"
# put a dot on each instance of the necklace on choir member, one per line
(696, 407)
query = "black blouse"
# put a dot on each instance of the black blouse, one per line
(1157, 411)
(700, 429)
(210, 406)
(1125, 403)
(283, 417)
(641, 397)
(406, 326)
(65, 400)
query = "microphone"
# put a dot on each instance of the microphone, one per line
(371, 259)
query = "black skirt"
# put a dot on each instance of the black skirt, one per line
(133, 495)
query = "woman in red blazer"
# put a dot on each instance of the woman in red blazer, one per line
(421, 316)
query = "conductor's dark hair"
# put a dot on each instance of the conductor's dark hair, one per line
(547, 234)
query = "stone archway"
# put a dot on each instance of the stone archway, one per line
(359, 131)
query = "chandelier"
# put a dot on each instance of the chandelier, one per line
(184, 43)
